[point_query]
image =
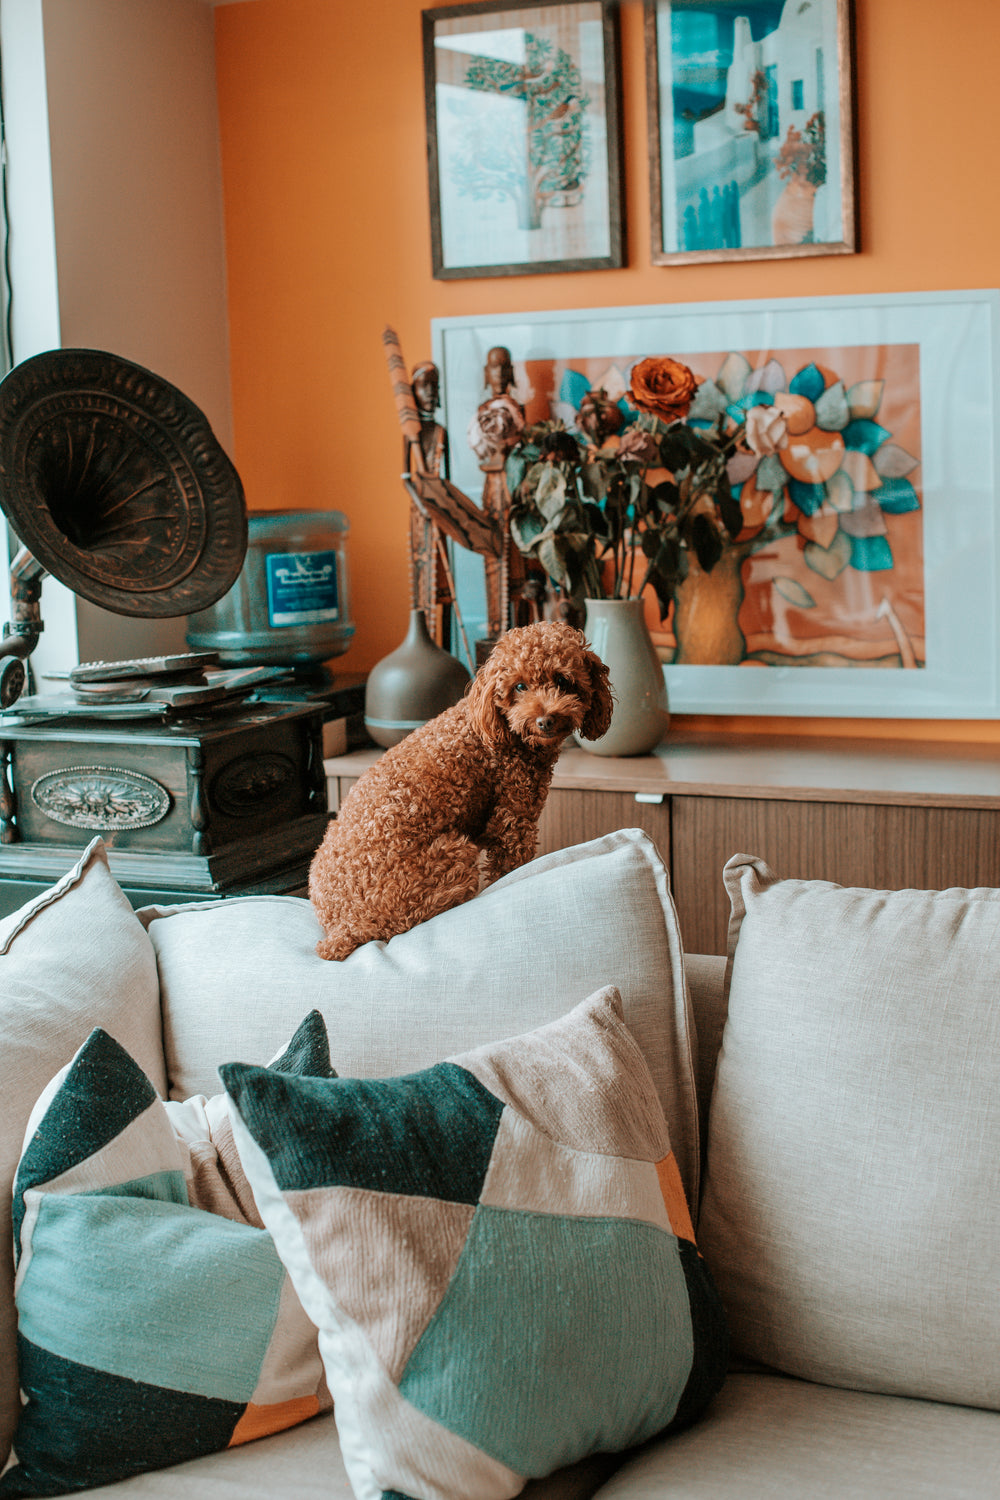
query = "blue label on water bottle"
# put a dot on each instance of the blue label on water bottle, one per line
(301, 588)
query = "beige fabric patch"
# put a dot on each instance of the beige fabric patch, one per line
(530, 1172)
(411, 1248)
(603, 1100)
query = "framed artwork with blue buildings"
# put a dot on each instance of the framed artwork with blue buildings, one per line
(751, 129)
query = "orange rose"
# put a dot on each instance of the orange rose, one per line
(663, 387)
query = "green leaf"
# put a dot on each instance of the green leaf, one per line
(808, 382)
(871, 554)
(515, 469)
(706, 542)
(525, 528)
(664, 497)
(896, 497)
(771, 474)
(550, 496)
(551, 558)
(832, 410)
(594, 479)
(729, 510)
(865, 436)
(733, 375)
(828, 562)
(792, 590)
(708, 404)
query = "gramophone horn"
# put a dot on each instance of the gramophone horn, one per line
(116, 483)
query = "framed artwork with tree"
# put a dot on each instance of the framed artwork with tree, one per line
(523, 138)
(751, 129)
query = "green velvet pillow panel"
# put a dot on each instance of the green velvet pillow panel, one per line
(497, 1252)
(150, 1329)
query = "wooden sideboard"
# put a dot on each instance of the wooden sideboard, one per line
(860, 812)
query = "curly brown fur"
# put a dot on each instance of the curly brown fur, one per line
(407, 841)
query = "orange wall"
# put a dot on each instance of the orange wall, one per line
(327, 223)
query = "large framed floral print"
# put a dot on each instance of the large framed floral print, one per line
(751, 129)
(523, 137)
(862, 537)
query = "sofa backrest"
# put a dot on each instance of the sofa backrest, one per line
(237, 976)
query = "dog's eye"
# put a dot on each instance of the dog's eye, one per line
(565, 685)
(520, 687)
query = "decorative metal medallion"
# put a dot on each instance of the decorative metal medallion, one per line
(101, 797)
(251, 782)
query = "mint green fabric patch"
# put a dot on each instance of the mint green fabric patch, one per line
(141, 1271)
(566, 1285)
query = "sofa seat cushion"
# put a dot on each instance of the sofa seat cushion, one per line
(236, 975)
(305, 1463)
(73, 958)
(155, 1319)
(497, 1252)
(851, 1215)
(771, 1437)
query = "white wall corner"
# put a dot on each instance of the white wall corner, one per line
(117, 237)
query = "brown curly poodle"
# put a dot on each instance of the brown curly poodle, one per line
(407, 841)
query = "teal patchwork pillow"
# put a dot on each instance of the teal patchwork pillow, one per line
(155, 1319)
(497, 1252)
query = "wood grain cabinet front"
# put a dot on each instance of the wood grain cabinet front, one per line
(875, 814)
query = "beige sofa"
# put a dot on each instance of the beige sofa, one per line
(844, 1183)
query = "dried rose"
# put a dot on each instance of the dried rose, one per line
(559, 447)
(766, 430)
(663, 387)
(639, 447)
(599, 417)
(495, 428)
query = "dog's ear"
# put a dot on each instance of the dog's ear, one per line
(598, 719)
(480, 699)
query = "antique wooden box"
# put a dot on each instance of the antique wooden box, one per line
(206, 804)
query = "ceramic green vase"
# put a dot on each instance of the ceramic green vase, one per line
(618, 633)
(412, 684)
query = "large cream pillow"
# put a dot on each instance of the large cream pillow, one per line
(236, 976)
(73, 958)
(851, 1213)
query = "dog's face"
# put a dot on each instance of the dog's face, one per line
(543, 709)
(540, 684)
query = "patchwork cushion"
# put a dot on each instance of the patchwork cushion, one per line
(151, 1326)
(497, 1252)
(73, 958)
(852, 1205)
(525, 950)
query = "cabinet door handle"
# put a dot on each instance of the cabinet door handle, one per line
(649, 797)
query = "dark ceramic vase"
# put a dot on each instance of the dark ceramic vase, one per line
(411, 685)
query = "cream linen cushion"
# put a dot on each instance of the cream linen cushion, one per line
(71, 959)
(236, 976)
(851, 1214)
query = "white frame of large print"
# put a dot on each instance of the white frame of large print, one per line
(927, 455)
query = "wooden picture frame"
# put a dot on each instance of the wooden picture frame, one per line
(751, 129)
(524, 137)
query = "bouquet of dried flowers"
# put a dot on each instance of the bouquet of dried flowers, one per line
(622, 501)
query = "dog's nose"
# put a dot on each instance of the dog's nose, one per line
(546, 723)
